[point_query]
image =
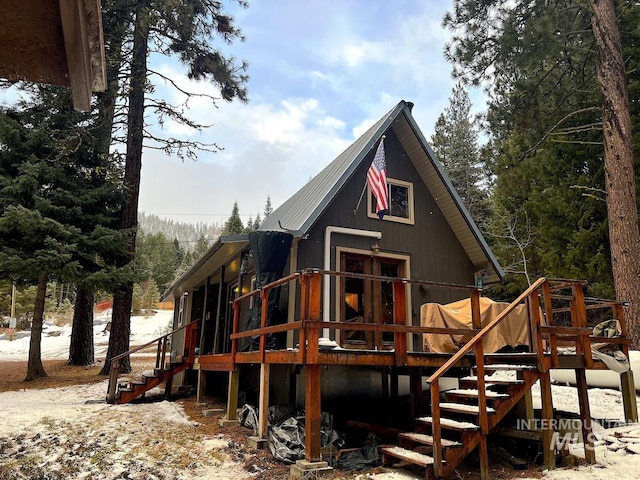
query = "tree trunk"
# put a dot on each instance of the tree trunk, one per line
(121, 318)
(81, 351)
(34, 367)
(618, 159)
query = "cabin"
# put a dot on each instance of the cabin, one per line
(327, 308)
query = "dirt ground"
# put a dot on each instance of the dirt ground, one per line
(259, 463)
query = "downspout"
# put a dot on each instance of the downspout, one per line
(326, 300)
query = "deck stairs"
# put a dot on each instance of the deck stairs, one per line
(123, 391)
(505, 385)
(132, 389)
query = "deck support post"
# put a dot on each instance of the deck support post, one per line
(312, 412)
(524, 407)
(202, 385)
(415, 386)
(394, 385)
(628, 389)
(585, 415)
(263, 404)
(548, 448)
(232, 399)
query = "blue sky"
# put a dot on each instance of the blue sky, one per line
(321, 72)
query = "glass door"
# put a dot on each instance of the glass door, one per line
(368, 301)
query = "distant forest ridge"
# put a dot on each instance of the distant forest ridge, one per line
(187, 234)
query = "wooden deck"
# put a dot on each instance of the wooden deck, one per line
(557, 318)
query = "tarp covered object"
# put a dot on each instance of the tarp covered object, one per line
(512, 331)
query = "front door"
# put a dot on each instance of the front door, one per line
(367, 301)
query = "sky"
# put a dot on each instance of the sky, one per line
(321, 73)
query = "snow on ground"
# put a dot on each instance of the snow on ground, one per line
(71, 433)
(55, 340)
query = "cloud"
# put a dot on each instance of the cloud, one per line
(270, 150)
(321, 73)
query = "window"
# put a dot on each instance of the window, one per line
(400, 202)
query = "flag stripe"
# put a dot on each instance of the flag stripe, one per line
(377, 179)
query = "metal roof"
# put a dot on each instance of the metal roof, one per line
(222, 251)
(302, 210)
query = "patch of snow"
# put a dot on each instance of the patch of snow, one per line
(56, 340)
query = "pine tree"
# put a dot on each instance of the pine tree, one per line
(233, 225)
(49, 176)
(545, 124)
(186, 30)
(268, 209)
(455, 142)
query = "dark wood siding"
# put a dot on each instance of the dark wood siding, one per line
(435, 252)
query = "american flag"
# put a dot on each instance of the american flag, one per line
(377, 179)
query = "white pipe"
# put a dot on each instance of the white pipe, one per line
(326, 301)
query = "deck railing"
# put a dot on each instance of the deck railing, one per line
(547, 297)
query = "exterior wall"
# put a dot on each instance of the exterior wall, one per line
(435, 252)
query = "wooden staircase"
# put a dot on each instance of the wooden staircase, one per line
(460, 421)
(130, 390)
(124, 392)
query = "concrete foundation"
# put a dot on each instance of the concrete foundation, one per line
(223, 422)
(257, 443)
(304, 469)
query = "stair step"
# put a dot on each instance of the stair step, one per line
(473, 393)
(489, 380)
(451, 424)
(408, 456)
(125, 389)
(138, 383)
(425, 439)
(513, 366)
(464, 408)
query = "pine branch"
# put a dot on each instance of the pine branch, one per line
(552, 129)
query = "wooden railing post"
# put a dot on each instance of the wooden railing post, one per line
(548, 310)
(533, 305)
(400, 318)
(264, 298)
(627, 384)
(476, 323)
(313, 311)
(236, 328)
(579, 313)
(436, 431)
(113, 381)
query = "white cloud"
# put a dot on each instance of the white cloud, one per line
(321, 76)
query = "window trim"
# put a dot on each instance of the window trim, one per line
(392, 181)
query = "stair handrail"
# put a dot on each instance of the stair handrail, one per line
(114, 371)
(435, 377)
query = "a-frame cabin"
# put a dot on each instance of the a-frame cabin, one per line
(320, 308)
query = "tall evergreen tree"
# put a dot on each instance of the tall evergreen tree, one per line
(233, 225)
(34, 196)
(455, 142)
(538, 61)
(186, 30)
(268, 209)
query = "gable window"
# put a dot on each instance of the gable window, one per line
(400, 202)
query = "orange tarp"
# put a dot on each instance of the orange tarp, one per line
(512, 331)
